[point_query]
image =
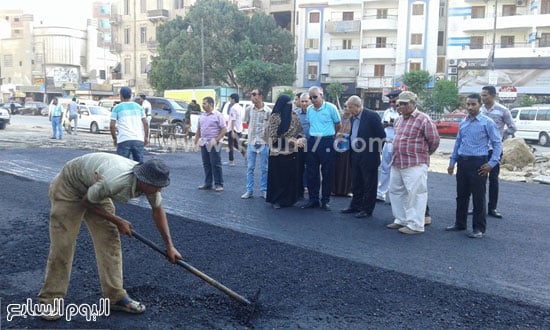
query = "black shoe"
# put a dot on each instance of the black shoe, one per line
(495, 214)
(363, 214)
(454, 228)
(349, 210)
(325, 207)
(470, 212)
(475, 234)
(310, 205)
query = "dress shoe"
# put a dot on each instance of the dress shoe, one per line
(394, 226)
(363, 214)
(407, 230)
(325, 207)
(204, 187)
(276, 206)
(380, 200)
(454, 228)
(495, 214)
(349, 210)
(310, 205)
(475, 234)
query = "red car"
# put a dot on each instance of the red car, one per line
(448, 123)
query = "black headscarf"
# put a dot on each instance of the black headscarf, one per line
(283, 107)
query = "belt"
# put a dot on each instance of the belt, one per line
(56, 116)
(472, 157)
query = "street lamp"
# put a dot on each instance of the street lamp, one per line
(190, 30)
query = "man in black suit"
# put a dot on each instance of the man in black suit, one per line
(366, 137)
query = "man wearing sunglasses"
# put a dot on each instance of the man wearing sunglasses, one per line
(415, 139)
(324, 122)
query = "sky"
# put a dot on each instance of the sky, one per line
(68, 13)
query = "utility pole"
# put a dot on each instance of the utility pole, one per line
(492, 52)
(202, 51)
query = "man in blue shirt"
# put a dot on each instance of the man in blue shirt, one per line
(324, 122)
(477, 133)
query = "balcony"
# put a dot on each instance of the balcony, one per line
(343, 26)
(507, 50)
(157, 15)
(374, 82)
(115, 48)
(516, 22)
(152, 44)
(371, 51)
(249, 4)
(374, 22)
(278, 5)
(338, 53)
(115, 19)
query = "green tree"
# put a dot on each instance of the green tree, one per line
(416, 81)
(230, 39)
(335, 90)
(443, 96)
(264, 75)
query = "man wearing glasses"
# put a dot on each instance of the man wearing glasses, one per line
(257, 119)
(324, 122)
(415, 139)
(388, 120)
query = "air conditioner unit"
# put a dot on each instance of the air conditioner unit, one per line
(521, 3)
(311, 76)
(453, 78)
(453, 62)
(452, 70)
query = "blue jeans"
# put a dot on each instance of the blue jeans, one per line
(57, 127)
(252, 151)
(132, 147)
(212, 165)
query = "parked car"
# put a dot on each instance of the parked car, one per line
(34, 108)
(94, 119)
(5, 118)
(165, 110)
(448, 123)
(533, 123)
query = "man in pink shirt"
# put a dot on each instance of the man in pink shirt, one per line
(415, 139)
(209, 136)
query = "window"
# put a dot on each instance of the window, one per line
(16, 19)
(544, 40)
(545, 6)
(346, 44)
(143, 34)
(478, 12)
(143, 65)
(476, 42)
(440, 38)
(126, 7)
(381, 13)
(312, 43)
(440, 66)
(442, 9)
(543, 115)
(380, 42)
(414, 66)
(418, 9)
(416, 38)
(8, 61)
(127, 65)
(347, 16)
(297, 16)
(508, 10)
(127, 36)
(312, 69)
(527, 115)
(178, 4)
(143, 6)
(314, 17)
(379, 70)
(507, 42)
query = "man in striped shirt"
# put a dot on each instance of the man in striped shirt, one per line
(415, 139)
(477, 133)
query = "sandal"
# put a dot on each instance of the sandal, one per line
(128, 305)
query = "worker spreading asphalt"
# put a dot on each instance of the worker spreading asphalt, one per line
(315, 269)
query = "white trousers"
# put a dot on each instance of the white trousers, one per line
(409, 195)
(385, 169)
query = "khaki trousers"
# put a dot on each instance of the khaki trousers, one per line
(66, 216)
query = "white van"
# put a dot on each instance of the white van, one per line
(533, 123)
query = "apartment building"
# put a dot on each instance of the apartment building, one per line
(505, 43)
